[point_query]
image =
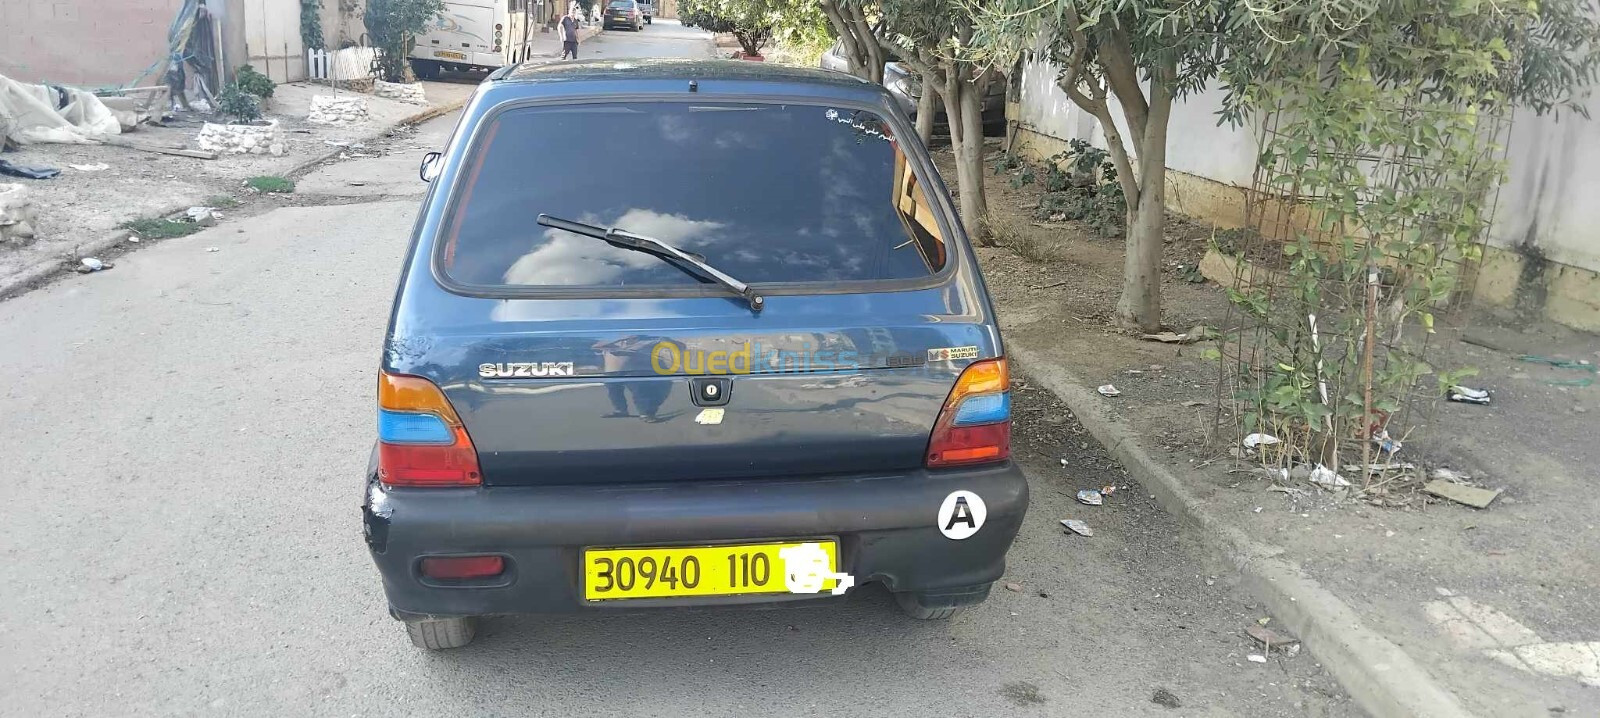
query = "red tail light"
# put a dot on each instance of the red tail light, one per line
(456, 568)
(421, 441)
(974, 427)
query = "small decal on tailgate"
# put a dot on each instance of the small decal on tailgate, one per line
(961, 515)
(967, 352)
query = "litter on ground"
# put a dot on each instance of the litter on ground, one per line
(1170, 338)
(203, 216)
(26, 171)
(1254, 440)
(1468, 395)
(1386, 444)
(1078, 527)
(1324, 476)
(1108, 390)
(1090, 497)
(1461, 493)
(1270, 639)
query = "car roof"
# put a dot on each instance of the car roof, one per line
(710, 77)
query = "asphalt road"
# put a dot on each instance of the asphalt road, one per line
(183, 440)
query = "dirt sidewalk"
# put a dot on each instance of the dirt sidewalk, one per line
(1496, 605)
(79, 211)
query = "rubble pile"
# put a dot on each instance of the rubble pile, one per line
(404, 92)
(241, 139)
(338, 110)
(16, 215)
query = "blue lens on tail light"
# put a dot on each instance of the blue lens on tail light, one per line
(395, 427)
(984, 409)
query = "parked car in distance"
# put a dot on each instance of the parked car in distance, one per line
(769, 372)
(906, 88)
(623, 13)
(648, 9)
(833, 58)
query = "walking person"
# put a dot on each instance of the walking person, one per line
(569, 33)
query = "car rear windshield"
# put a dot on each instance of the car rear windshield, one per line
(763, 192)
(621, 3)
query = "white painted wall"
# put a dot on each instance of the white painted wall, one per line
(1552, 198)
(1196, 145)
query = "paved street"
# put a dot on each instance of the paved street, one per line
(184, 440)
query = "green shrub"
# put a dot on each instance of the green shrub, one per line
(254, 82)
(238, 104)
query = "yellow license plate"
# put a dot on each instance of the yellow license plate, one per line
(680, 571)
(450, 54)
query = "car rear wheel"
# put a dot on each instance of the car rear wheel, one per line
(915, 606)
(437, 634)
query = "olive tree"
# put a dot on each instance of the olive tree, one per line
(928, 37)
(394, 26)
(859, 25)
(1126, 62)
(866, 46)
(756, 22)
(934, 37)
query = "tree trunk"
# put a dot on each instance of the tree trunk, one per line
(964, 114)
(927, 111)
(861, 48)
(1140, 304)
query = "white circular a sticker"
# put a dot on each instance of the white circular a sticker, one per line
(961, 515)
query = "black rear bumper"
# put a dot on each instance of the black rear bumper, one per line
(886, 526)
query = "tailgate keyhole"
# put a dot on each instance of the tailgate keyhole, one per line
(710, 390)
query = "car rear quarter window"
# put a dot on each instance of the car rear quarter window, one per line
(764, 192)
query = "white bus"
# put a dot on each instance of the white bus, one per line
(478, 35)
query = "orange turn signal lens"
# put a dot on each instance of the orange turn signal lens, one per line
(399, 392)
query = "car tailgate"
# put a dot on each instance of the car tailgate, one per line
(814, 385)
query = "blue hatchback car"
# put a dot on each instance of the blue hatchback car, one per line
(754, 364)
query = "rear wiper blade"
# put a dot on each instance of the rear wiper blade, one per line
(688, 262)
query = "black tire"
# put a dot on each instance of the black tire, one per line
(911, 604)
(438, 634)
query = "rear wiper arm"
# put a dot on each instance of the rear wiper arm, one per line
(690, 263)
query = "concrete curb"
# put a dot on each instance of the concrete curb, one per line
(1381, 678)
(18, 282)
